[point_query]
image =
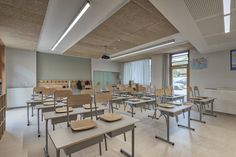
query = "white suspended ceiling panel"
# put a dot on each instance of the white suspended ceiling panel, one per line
(60, 14)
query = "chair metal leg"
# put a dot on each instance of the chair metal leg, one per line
(124, 137)
(105, 139)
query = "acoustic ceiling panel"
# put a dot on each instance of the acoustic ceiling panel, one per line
(136, 23)
(204, 8)
(21, 22)
(221, 38)
(211, 26)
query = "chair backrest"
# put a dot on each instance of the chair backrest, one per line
(48, 91)
(59, 94)
(79, 100)
(191, 91)
(121, 87)
(96, 88)
(160, 92)
(38, 90)
(168, 91)
(109, 88)
(62, 93)
(75, 101)
(196, 91)
(87, 91)
(129, 89)
(142, 89)
(102, 97)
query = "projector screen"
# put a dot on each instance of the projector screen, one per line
(20, 68)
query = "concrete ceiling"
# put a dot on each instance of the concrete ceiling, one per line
(200, 22)
(136, 23)
(21, 22)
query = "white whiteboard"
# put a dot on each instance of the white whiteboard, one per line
(20, 68)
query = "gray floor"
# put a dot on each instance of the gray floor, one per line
(217, 138)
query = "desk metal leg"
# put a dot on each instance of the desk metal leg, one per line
(168, 131)
(211, 112)
(100, 149)
(32, 110)
(132, 108)
(111, 104)
(46, 134)
(38, 122)
(132, 151)
(28, 122)
(200, 115)
(189, 125)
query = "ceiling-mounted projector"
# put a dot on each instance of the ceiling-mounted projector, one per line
(105, 57)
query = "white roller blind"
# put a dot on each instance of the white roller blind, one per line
(138, 71)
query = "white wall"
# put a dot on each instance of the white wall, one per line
(20, 68)
(156, 70)
(104, 65)
(217, 74)
(52, 66)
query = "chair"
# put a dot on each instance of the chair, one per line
(142, 89)
(159, 94)
(168, 91)
(76, 101)
(196, 91)
(102, 98)
(129, 90)
(191, 91)
(87, 91)
(60, 94)
(96, 88)
(38, 90)
(109, 88)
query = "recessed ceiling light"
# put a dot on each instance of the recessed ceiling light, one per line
(226, 4)
(81, 13)
(227, 23)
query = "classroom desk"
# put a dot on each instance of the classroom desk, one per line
(31, 103)
(139, 104)
(71, 142)
(173, 112)
(45, 108)
(118, 99)
(62, 117)
(138, 94)
(168, 98)
(200, 103)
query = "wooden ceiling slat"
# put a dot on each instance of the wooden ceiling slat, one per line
(21, 22)
(136, 23)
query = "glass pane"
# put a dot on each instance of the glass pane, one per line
(179, 81)
(179, 59)
(104, 77)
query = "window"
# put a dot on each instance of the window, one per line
(138, 71)
(179, 72)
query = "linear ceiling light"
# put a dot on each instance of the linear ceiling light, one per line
(227, 23)
(81, 13)
(226, 4)
(145, 49)
(227, 7)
